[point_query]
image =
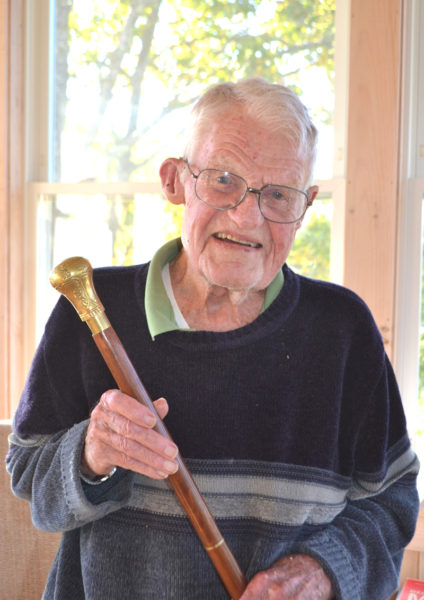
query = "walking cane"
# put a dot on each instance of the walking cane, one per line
(74, 279)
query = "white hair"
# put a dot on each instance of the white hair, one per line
(272, 105)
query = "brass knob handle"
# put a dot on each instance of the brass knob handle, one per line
(74, 279)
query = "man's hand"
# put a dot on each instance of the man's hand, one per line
(120, 434)
(297, 577)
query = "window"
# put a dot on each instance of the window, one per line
(359, 151)
(122, 78)
(373, 35)
(47, 193)
(124, 75)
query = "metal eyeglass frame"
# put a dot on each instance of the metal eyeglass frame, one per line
(253, 191)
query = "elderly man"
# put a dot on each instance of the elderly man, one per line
(278, 392)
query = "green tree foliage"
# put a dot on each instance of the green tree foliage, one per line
(136, 49)
(310, 252)
(146, 60)
(421, 364)
(421, 392)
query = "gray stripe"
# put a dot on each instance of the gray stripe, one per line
(270, 487)
(363, 487)
(279, 500)
(29, 441)
(284, 502)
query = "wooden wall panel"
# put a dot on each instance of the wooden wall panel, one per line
(372, 157)
(12, 154)
(17, 239)
(4, 208)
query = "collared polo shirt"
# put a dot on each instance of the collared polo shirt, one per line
(159, 311)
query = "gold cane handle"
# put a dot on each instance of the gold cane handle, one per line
(74, 279)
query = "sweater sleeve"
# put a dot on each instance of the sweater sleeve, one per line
(49, 430)
(362, 548)
(45, 471)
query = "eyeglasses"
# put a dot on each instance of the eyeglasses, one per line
(224, 190)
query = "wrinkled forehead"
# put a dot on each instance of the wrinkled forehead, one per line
(236, 140)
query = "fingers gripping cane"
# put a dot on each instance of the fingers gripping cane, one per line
(74, 279)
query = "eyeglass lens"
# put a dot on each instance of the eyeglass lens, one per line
(224, 190)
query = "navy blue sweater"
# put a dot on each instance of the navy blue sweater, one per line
(292, 426)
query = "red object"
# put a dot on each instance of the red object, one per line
(412, 590)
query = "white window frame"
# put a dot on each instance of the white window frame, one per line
(408, 296)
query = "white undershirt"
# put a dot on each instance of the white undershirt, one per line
(178, 315)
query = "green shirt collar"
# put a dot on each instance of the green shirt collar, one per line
(159, 312)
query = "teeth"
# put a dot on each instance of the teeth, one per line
(226, 236)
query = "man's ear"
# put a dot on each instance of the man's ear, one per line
(312, 194)
(313, 191)
(172, 186)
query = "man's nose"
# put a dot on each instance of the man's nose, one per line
(247, 213)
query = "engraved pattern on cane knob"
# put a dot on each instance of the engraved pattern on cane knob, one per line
(74, 279)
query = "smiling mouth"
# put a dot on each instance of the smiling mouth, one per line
(229, 238)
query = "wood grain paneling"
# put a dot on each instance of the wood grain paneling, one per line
(372, 157)
(12, 236)
(4, 208)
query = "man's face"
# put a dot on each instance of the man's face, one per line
(238, 248)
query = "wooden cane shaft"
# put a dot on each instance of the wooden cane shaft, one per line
(183, 484)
